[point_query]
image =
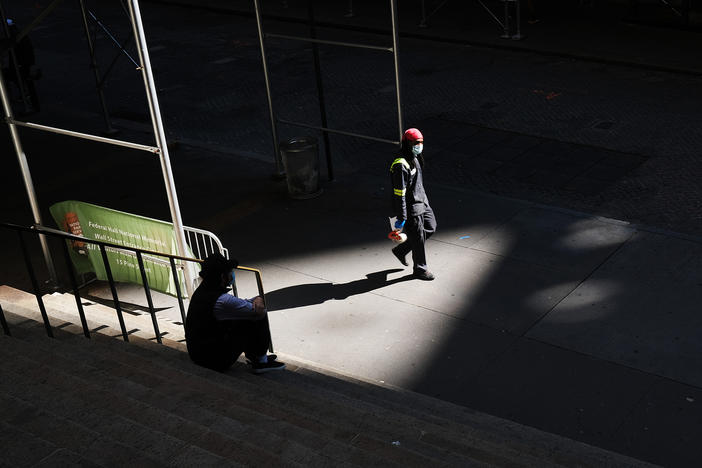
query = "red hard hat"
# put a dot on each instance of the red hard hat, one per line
(412, 134)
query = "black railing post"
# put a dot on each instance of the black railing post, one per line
(74, 286)
(35, 285)
(3, 322)
(178, 292)
(110, 279)
(147, 290)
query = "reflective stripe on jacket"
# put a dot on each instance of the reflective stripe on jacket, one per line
(408, 195)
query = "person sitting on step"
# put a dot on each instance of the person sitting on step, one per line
(220, 326)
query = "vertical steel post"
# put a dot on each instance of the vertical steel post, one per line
(506, 34)
(396, 54)
(160, 134)
(147, 291)
(3, 322)
(518, 19)
(27, 177)
(320, 89)
(115, 298)
(349, 13)
(13, 59)
(76, 292)
(276, 151)
(35, 285)
(423, 20)
(93, 64)
(176, 281)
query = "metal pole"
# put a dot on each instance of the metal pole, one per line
(278, 162)
(176, 281)
(35, 22)
(147, 291)
(93, 64)
(86, 136)
(76, 292)
(320, 90)
(349, 13)
(27, 177)
(160, 135)
(3, 322)
(13, 58)
(506, 25)
(396, 54)
(423, 19)
(111, 281)
(518, 18)
(35, 284)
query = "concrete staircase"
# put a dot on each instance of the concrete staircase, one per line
(104, 402)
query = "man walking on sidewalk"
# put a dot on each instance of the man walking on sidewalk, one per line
(411, 204)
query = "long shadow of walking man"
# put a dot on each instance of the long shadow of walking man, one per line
(317, 293)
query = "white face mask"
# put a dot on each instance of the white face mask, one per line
(417, 149)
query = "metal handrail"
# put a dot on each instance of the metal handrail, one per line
(138, 252)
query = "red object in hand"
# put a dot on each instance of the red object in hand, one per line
(397, 236)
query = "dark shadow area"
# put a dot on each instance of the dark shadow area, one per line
(302, 295)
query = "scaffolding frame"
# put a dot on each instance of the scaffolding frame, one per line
(324, 128)
(160, 148)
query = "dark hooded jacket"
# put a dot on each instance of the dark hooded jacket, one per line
(207, 338)
(408, 197)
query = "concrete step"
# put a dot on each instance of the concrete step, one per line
(20, 448)
(102, 315)
(469, 427)
(331, 408)
(445, 450)
(377, 441)
(62, 308)
(188, 396)
(68, 436)
(309, 402)
(162, 419)
(146, 446)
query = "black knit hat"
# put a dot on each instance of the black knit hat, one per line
(216, 265)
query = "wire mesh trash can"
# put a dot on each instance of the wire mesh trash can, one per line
(301, 160)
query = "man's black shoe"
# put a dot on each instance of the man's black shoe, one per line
(271, 357)
(424, 275)
(399, 256)
(263, 367)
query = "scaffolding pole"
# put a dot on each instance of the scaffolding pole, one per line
(396, 55)
(274, 131)
(160, 134)
(26, 177)
(93, 64)
(14, 62)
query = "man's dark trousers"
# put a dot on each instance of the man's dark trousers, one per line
(418, 229)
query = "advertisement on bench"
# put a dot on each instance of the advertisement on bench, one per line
(124, 229)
